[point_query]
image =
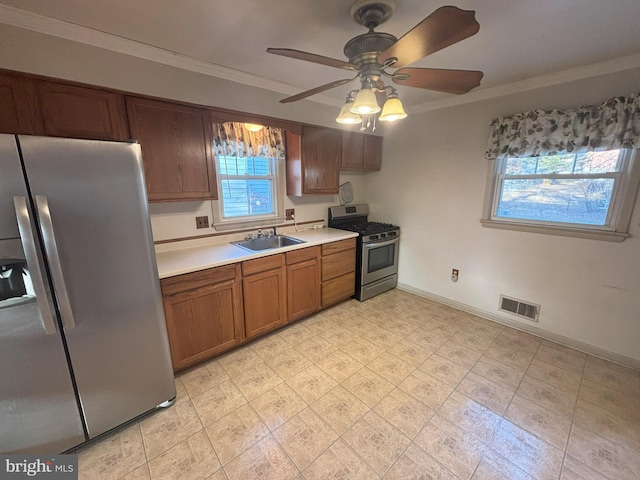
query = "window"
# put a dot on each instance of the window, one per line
(570, 193)
(250, 175)
(246, 186)
(565, 171)
(248, 189)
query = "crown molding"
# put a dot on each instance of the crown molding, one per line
(57, 28)
(603, 68)
(68, 31)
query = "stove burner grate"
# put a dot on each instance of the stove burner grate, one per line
(368, 228)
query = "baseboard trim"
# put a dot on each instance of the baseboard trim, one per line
(554, 337)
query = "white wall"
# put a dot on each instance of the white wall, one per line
(177, 220)
(432, 184)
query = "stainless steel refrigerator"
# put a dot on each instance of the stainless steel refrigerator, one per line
(83, 341)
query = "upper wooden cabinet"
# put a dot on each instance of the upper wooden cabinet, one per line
(79, 112)
(361, 152)
(38, 107)
(313, 161)
(19, 112)
(176, 144)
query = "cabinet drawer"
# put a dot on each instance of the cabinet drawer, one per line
(338, 289)
(190, 281)
(333, 247)
(262, 264)
(338, 264)
(303, 254)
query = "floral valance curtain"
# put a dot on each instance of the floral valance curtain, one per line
(234, 139)
(614, 124)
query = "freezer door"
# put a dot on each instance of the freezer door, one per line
(38, 407)
(92, 210)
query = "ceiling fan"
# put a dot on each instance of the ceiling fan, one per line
(372, 53)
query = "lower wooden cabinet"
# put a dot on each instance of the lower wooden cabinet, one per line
(338, 271)
(204, 314)
(213, 311)
(265, 294)
(303, 282)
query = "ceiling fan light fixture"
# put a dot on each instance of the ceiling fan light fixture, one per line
(347, 117)
(365, 103)
(392, 110)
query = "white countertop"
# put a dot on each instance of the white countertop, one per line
(191, 259)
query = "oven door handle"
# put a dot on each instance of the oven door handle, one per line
(379, 243)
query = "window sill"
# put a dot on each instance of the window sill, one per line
(606, 236)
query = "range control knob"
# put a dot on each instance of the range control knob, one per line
(373, 237)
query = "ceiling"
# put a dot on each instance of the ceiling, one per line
(520, 45)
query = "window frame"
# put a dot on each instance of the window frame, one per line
(222, 223)
(618, 218)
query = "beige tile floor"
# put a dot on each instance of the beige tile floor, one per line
(398, 387)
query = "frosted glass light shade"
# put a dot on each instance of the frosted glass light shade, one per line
(365, 103)
(252, 127)
(346, 116)
(392, 110)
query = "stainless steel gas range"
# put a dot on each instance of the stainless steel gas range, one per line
(376, 252)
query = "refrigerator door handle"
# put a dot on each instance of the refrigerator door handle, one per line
(31, 256)
(51, 247)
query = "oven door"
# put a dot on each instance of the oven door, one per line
(379, 260)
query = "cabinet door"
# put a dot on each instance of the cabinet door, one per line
(303, 289)
(203, 322)
(176, 149)
(372, 157)
(265, 301)
(18, 111)
(79, 112)
(321, 153)
(352, 151)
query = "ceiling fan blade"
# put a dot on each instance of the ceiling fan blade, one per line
(444, 27)
(448, 81)
(312, 57)
(313, 91)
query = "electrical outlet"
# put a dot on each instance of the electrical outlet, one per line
(202, 222)
(454, 275)
(289, 213)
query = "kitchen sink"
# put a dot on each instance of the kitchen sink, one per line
(267, 243)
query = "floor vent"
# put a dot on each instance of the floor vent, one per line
(530, 311)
